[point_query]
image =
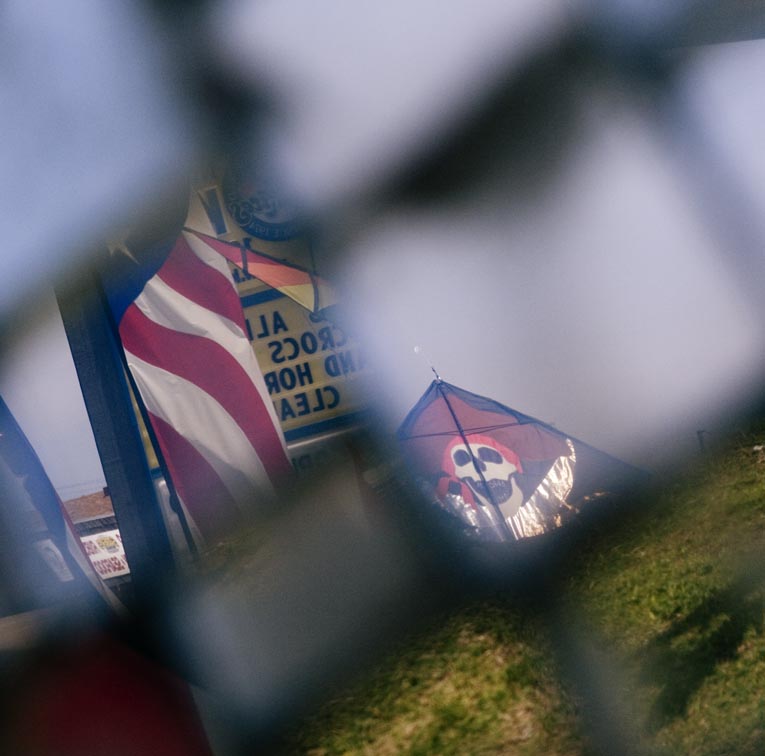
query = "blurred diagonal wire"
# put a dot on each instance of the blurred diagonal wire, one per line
(88, 146)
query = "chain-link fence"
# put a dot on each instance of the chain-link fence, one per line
(562, 202)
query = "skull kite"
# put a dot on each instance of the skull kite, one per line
(488, 468)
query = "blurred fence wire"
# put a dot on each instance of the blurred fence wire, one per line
(604, 158)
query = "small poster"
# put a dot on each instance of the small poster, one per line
(106, 553)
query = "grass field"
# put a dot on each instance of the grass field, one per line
(654, 643)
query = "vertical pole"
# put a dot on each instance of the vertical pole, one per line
(439, 386)
(313, 275)
(97, 359)
(244, 247)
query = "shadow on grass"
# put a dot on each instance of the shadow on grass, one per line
(680, 659)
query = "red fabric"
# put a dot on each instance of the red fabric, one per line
(479, 439)
(203, 285)
(213, 369)
(104, 699)
(203, 493)
(435, 428)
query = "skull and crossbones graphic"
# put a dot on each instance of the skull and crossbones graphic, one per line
(488, 469)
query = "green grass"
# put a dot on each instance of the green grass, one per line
(672, 597)
(481, 677)
(679, 602)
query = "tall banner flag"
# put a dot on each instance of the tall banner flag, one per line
(505, 475)
(183, 333)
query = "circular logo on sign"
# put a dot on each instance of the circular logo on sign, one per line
(259, 210)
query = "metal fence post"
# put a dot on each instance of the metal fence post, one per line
(97, 359)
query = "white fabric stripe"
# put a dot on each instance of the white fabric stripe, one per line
(207, 426)
(165, 306)
(173, 524)
(168, 307)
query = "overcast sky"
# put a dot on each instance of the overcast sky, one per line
(608, 307)
(611, 306)
(40, 386)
